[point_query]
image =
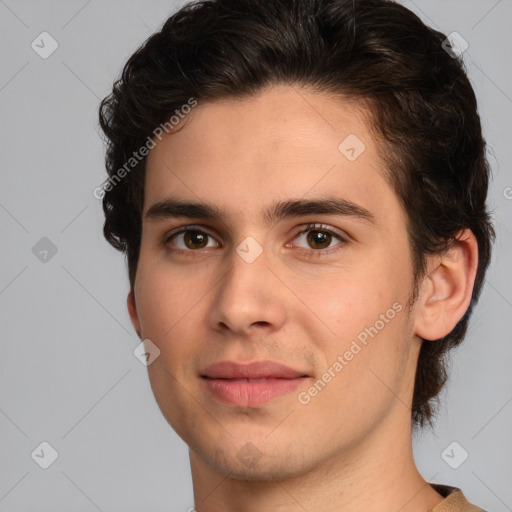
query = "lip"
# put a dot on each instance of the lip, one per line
(252, 384)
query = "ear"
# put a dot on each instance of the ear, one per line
(445, 292)
(132, 310)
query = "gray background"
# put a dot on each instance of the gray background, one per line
(68, 375)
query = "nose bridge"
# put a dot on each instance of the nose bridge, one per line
(248, 293)
(249, 264)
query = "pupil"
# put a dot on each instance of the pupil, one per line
(195, 239)
(319, 239)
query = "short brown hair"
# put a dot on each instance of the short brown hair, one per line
(422, 104)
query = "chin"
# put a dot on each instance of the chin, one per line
(260, 468)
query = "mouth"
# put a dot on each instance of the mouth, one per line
(251, 385)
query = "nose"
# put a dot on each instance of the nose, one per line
(248, 298)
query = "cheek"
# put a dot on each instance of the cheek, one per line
(172, 309)
(368, 331)
(169, 308)
(363, 374)
(349, 301)
(164, 299)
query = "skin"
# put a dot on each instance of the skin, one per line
(350, 447)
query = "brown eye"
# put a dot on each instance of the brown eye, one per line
(319, 239)
(191, 239)
(195, 239)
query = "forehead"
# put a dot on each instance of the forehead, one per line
(281, 143)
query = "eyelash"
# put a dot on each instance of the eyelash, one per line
(308, 252)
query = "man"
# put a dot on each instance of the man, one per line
(300, 188)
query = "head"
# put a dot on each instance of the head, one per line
(263, 93)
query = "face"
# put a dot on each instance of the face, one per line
(278, 297)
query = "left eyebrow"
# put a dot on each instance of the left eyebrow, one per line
(173, 208)
(327, 206)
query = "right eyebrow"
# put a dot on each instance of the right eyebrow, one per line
(171, 208)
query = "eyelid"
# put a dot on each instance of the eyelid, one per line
(341, 235)
(184, 229)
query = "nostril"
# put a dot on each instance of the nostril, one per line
(262, 323)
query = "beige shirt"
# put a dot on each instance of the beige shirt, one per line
(454, 500)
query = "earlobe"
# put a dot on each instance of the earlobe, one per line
(446, 291)
(132, 311)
